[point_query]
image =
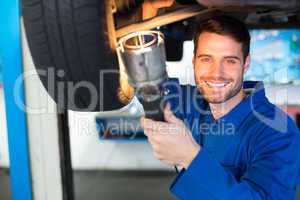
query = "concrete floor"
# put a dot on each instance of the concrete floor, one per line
(112, 185)
(4, 184)
(115, 185)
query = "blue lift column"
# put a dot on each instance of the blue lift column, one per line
(11, 60)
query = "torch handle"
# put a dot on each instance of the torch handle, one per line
(154, 109)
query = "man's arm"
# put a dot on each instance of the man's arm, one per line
(271, 173)
(271, 169)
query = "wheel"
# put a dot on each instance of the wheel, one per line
(72, 46)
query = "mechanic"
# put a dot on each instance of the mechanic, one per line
(228, 139)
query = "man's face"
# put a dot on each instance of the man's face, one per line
(219, 67)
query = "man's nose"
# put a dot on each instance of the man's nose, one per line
(217, 69)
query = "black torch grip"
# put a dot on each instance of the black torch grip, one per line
(154, 109)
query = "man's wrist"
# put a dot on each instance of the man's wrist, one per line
(191, 156)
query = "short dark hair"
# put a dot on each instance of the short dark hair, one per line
(225, 25)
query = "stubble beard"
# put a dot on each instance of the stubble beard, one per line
(232, 92)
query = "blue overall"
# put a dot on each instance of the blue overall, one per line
(253, 152)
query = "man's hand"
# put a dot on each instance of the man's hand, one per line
(171, 141)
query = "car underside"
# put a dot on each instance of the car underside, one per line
(76, 40)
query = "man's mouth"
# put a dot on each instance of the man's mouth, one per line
(217, 85)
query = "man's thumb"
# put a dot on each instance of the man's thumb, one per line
(169, 116)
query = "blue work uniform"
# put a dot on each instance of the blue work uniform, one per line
(252, 152)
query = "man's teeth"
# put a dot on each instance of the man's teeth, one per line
(215, 84)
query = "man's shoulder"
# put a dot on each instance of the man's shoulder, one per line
(277, 139)
(271, 123)
(274, 117)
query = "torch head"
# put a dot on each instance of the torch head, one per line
(143, 54)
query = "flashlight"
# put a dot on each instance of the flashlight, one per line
(143, 54)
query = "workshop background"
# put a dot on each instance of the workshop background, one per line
(108, 168)
(127, 169)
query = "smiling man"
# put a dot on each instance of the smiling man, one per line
(229, 140)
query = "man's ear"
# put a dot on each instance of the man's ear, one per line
(247, 63)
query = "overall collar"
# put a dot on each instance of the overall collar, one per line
(256, 95)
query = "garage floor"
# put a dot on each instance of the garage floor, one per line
(112, 185)
(4, 184)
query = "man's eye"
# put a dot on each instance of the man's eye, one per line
(231, 61)
(205, 59)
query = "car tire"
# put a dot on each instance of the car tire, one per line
(70, 43)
